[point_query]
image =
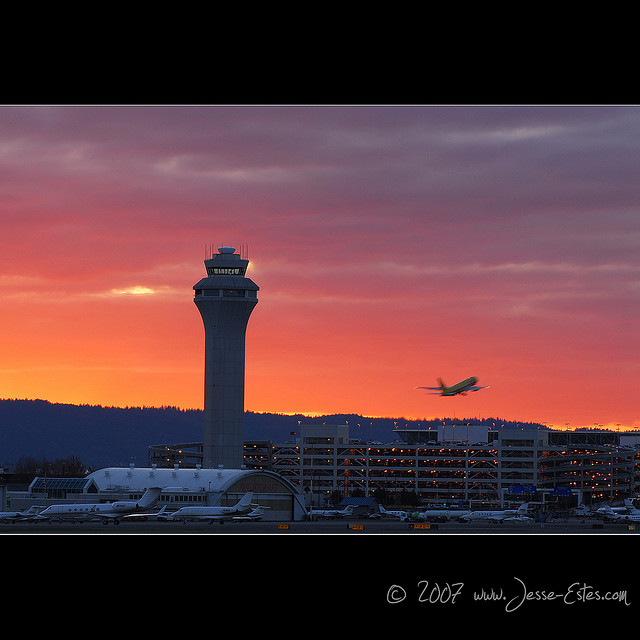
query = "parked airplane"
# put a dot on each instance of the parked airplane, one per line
(217, 514)
(517, 519)
(163, 514)
(459, 388)
(614, 514)
(440, 515)
(496, 516)
(17, 516)
(393, 514)
(631, 517)
(256, 514)
(607, 510)
(332, 513)
(582, 510)
(630, 507)
(113, 511)
(149, 515)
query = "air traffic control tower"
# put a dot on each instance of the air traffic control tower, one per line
(225, 299)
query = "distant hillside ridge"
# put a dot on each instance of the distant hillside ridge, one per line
(118, 436)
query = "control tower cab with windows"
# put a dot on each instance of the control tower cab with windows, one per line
(225, 299)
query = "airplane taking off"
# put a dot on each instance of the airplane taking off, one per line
(113, 511)
(459, 388)
(217, 514)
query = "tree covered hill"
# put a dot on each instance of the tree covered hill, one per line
(114, 436)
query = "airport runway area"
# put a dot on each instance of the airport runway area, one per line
(331, 527)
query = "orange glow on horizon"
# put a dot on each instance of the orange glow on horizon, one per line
(146, 350)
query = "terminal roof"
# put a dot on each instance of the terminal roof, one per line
(138, 479)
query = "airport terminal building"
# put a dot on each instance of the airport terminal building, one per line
(466, 464)
(469, 464)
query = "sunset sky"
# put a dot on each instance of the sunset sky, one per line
(392, 245)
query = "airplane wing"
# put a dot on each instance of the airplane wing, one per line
(108, 516)
(219, 518)
(476, 388)
(114, 515)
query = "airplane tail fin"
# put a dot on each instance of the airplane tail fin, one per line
(246, 499)
(442, 384)
(150, 498)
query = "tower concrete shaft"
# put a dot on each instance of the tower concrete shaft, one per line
(225, 299)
